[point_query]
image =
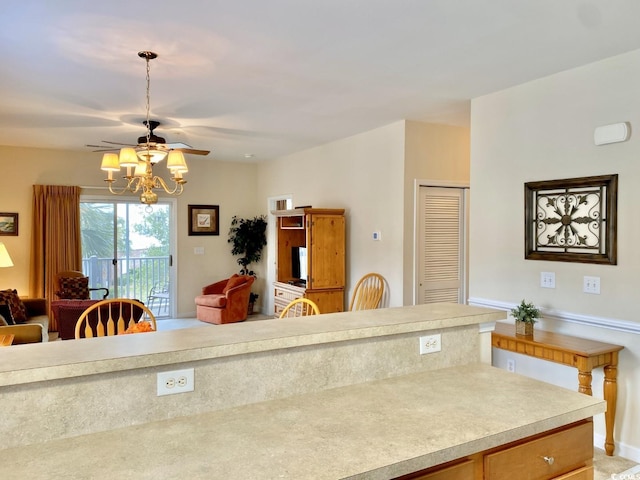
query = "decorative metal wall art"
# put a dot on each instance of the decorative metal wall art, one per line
(572, 220)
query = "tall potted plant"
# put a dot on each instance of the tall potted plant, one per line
(248, 237)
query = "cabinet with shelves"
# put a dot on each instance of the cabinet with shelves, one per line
(318, 233)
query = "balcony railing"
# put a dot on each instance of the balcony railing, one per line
(137, 278)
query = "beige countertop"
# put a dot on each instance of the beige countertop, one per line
(374, 430)
(21, 364)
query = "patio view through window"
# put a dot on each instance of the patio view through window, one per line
(127, 250)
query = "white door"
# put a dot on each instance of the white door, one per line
(441, 245)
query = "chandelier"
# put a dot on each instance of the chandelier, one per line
(139, 161)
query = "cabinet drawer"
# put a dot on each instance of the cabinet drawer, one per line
(461, 471)
(570, 449)
(287, 292)
(585, 473)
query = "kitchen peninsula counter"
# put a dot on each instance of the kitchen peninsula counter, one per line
(373, 430)
(74, 358)
(65, 389)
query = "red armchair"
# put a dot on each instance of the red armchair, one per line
(226, 301)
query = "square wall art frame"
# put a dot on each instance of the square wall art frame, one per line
(9, 224)
(204, 220)
(572, 220)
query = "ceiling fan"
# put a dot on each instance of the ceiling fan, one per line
(155, 142)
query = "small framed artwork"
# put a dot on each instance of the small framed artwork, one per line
(9, 224)
(572, 220)
(204, 220)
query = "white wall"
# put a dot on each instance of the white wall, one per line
(543, 130)
(364, 175)
(433, 153)
(232, 186)
(372, 176)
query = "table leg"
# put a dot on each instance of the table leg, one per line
(611, 397)
(584, 381)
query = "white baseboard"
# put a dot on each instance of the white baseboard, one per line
(621, 449)
(601, 322)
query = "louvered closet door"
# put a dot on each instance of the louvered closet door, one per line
(441, 275)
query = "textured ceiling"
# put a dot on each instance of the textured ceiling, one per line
(270, 78)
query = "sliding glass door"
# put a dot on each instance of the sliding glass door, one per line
(128, 250)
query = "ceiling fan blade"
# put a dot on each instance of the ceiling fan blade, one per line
(176, 145)
(103, 149)
(119, 143)
(192, 151)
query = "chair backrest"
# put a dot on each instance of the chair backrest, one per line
(300, 307)
(368, 292)
(112, 317)
(74, 285)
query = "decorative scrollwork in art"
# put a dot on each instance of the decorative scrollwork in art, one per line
(572, 219)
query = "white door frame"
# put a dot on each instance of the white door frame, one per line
(267, 303)
(173, 239)
(417, 184)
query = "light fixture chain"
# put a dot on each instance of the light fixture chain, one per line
(148, 102)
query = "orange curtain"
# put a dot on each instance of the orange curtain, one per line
(55, 239)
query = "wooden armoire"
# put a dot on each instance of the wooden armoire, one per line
(321, 231)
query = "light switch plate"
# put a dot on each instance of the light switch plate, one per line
(548, 279)
(591, 285)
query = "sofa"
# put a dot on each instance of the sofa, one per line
(35, 328)
(226, 301)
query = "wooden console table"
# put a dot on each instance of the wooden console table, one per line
(580, 353)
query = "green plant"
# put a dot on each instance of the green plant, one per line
(248, 237)
(525, 312)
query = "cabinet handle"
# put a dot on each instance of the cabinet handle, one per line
(549, 460)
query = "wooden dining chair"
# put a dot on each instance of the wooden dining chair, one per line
(112, 317)
(368, 292)
(300, 307)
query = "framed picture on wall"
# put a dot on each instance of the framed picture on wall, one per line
(572, 220)
(204, 220)
(9, 224)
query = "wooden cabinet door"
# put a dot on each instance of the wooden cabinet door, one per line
(325, 251)
(462, 471)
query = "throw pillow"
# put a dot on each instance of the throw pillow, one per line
(75, 288)
(5, 313)
(233, 282)
(18, 310)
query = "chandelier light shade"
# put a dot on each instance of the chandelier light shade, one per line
(5, 258)
(139, 162)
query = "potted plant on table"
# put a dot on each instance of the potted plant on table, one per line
(248, 237)
(525, 314)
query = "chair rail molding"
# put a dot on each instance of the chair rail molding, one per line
(588, 320)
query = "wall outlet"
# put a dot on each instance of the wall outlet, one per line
(591, 285)
(511, 365)
(176, 381)
(430, 343)
(548, 279)
(376, 236)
